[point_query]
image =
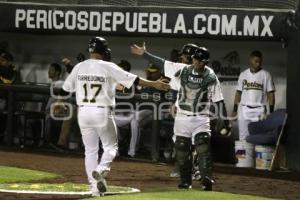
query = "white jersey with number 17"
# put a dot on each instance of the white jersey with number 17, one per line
(95, 81)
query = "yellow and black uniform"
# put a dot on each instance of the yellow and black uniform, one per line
(7, 73)
(7, 76)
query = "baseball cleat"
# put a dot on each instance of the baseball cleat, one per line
(196, 175)
(207, 183)
(101, 182)
(207, 187)
(184, 186)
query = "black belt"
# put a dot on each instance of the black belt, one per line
(97, 106)
(194, 115)
(253, 106)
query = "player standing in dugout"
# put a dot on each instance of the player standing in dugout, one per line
(94, 81)
(254, 91)
(197, 87)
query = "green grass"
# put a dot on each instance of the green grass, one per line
(61, 187)
(12, 174)
(57, 187)
(180, 195)
(16, 175)
(12, 178)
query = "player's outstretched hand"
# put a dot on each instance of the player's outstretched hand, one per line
(161, 85)
(138, 50)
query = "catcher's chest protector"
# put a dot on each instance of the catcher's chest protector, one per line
(194, 89)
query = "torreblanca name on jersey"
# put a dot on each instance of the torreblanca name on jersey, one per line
(92, 78)
(252, 85)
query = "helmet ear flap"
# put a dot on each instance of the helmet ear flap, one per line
(190, 58)
(107, 55)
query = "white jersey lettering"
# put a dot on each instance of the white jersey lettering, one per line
(254, 87)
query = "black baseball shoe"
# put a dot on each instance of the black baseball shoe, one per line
(207, 183)
(196, 175)
(101, 182)
(184, 186)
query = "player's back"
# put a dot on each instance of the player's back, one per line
(95, 85)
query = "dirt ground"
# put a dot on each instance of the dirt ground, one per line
(147, 175)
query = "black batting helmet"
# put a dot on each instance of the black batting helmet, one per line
(107, 55)
(188, 49)
(202, 54)
(98, 45)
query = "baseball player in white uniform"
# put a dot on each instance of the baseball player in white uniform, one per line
(255, 88)
(185, 57)
(197, 87)
(94, 82)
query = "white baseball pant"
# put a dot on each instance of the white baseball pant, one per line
(246, 115)
(96, 123)
(189, 126)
